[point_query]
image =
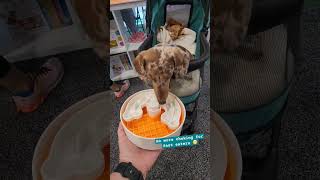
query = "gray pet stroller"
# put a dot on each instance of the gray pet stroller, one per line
(250, 93)
(198, 20)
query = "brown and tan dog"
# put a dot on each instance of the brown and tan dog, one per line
(175, 28)
(157, 65)
(230, 19)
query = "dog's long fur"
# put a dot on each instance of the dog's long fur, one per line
(159, 64)
(230, 19)
(175, 28)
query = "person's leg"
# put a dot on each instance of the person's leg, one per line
(129, 19)
(118, 87)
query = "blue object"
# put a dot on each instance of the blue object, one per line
(190, 99)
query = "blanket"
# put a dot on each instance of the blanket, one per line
(186, 39)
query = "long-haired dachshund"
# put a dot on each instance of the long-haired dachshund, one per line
(157, 65)
(175, 28)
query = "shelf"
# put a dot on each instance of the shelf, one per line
(52, 41)
(130, 47)
(125, 4)
(56, 41)
(134, 46)
(121, 67)
(125, 75)
(117, 50)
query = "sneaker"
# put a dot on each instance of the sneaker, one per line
(137, 37)
(47, 78)
(124, 88)
(141, 36)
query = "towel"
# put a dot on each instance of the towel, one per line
(186, 39)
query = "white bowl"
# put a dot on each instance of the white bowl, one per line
(233, 150)
(220, 154)
(149, 143)
(43, 146)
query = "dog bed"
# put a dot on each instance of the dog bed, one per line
(187, 89)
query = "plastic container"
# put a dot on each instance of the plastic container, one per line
(149, 142)
(234, 166)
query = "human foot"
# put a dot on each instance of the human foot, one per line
(125, 86)
(47, 78)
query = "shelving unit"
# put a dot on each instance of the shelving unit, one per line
(128, 48)
(50, 43)
(125, 4)
(53, 41)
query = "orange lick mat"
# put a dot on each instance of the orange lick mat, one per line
(149, 127)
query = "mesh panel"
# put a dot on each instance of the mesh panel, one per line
(247, 80)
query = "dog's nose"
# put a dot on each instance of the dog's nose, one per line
(162, 102)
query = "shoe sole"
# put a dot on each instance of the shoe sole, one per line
(33, 108)
(122, 91)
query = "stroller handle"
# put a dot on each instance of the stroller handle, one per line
(262, 19)
(195, 63)
(199, 62)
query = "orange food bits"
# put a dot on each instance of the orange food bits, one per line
(149, 127)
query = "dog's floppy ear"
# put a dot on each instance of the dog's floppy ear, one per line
(181, 63)
(140, 64)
